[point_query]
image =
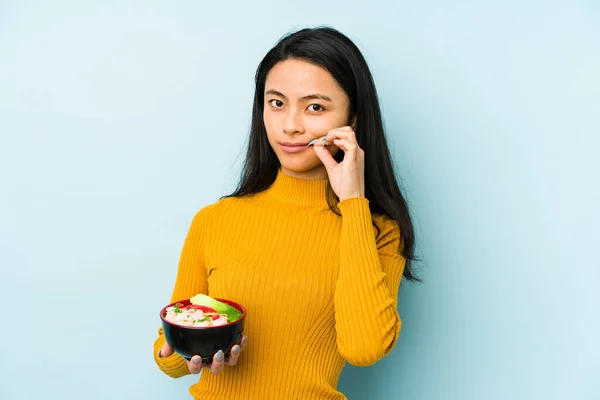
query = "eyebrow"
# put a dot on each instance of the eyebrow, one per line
(313, 96)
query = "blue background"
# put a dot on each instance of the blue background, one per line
(119, 120)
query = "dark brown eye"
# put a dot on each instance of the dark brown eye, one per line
(315, 107)
(276, 103)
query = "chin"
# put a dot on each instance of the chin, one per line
(300, 167)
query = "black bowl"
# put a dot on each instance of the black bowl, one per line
(203, 341)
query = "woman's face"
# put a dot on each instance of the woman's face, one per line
(302, 102)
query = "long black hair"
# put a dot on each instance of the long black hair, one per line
(336, 53)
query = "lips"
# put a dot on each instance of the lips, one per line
(288, 144)
(293, 147)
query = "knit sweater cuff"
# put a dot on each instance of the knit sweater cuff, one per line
(355, 206)
(174, 365)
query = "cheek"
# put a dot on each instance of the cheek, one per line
(318, 127)
(270, 125)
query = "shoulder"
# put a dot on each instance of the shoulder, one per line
(205, 213)
(208, 212)
(387, 231)
(386, 225)
(217, 210)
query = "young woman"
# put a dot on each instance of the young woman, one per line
(316, 238)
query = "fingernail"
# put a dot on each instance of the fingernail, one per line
(196, 360)
(336, 141)
(236, 349)
(245, 340)
(220, 355)
(312, 142)
(325, 140)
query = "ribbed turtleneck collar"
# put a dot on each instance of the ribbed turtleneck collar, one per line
(306, 192)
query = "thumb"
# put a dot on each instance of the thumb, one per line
(325, 156)
(166, 350)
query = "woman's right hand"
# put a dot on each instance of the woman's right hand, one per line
(195, 365)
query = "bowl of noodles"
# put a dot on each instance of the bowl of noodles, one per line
(203, 325)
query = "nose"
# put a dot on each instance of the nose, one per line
(293, 123)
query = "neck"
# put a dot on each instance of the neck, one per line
(299, 190)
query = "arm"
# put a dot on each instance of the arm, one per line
(366, 295)
(191, 280)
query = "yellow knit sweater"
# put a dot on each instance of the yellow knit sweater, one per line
(319, 289)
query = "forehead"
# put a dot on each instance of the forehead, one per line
(296, 78)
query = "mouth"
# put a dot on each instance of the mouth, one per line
(293, 147)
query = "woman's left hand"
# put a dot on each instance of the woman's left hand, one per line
(347, 178)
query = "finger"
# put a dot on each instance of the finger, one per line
(166, 350)
(195, 365)
(346, 140)
(244, 342)
(344, 144)
(352, 152)
(218, 361)
(325, 157)
(323, 140)
(347, 145)
(235, 355)
(231, 361)
(340, 133)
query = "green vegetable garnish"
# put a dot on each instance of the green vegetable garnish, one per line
(233, 314)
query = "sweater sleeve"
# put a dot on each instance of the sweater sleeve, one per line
(366, 294)
(191, 279)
